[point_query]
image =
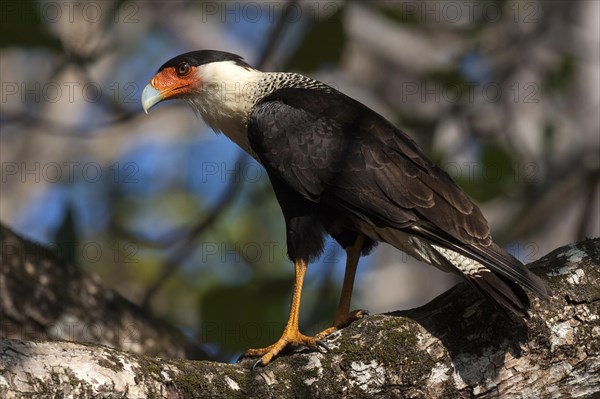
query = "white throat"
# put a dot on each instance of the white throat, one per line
(227, 96)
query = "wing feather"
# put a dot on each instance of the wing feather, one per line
(328, 147)
(334, 151)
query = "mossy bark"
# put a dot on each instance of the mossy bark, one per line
(43, 297)
(457, 346)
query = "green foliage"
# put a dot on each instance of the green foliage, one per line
(399, 15)
(21, 25)
(451, 81)
(324, 43)
(493, 175)
(251, 314)
(560, 77)
(66, 238)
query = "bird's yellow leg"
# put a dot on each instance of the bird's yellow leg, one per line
(343, 316)
(291, 335)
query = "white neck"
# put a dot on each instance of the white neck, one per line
(227, 97)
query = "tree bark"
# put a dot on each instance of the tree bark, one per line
(42, 298)
(457, 346)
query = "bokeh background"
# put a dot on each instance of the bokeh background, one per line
(503, 95)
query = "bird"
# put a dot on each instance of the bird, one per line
(340, 169)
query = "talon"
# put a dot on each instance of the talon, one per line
(323, 345)
(356, 315)
(256, 364)
(291, 336)
(287, 339)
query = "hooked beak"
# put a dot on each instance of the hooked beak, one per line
(150, 97)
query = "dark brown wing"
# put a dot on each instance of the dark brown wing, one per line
(333, 150)
(328, 146)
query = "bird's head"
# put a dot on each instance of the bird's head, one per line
(189, 76)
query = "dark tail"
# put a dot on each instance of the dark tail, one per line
(495, 273)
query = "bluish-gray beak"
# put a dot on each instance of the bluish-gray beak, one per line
(150, 97)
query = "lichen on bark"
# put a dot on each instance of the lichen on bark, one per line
(457, 346)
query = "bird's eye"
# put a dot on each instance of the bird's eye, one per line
(183, 69)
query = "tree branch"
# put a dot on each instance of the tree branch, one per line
(456, 346)
(42, 297)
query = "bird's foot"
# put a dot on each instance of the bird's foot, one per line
(289, 338)
(341, 322)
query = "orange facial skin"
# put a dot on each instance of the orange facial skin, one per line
(170, 84)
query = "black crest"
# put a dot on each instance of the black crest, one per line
(201, 57)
